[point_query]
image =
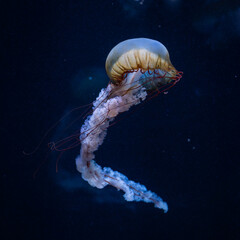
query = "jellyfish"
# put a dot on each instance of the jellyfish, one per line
(138, 69)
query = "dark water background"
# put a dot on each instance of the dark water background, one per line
(182, 145)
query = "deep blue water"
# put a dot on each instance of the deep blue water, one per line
(183, 145)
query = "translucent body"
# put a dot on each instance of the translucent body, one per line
(127, 89)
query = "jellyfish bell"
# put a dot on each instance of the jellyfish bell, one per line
(138, 53)
(136, 68)
(141, 61)
(142, 54)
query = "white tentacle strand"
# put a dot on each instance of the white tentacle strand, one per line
(110, 102)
